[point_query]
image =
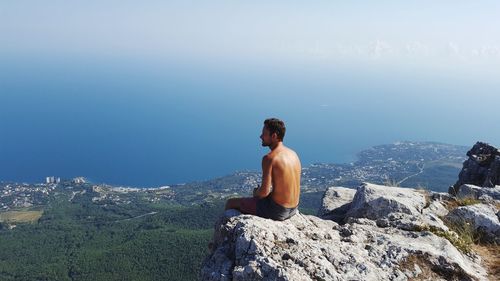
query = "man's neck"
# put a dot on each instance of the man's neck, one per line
(276, 145)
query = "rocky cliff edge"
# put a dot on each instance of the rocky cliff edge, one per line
(372, 233)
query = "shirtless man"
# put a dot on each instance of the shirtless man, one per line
(278, 196)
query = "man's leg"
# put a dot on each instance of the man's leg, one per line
(233, 203)
(246, 205)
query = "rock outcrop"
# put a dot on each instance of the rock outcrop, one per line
(374, 201)
(477, 192)
(383, 233)
(336, 203)
(481, 169)
(483, 218)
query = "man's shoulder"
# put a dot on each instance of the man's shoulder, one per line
(279, 155)
(272, 155)
(290, 151)
(268, 158)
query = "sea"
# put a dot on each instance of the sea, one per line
(146, 122)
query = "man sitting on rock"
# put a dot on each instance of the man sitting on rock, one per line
(277, 197)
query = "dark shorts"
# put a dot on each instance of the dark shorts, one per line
(266, 208)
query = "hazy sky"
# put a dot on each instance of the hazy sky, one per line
(415, 32)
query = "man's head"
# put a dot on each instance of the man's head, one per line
(273, 131)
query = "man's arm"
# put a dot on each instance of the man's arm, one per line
(265, 187)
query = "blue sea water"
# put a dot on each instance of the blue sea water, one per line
(147, 123)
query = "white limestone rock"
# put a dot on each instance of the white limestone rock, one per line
(475, 192)
(482, 217)
(336, 202)
(247, 247)
(379, 238)
(436, 208)
(375, 201)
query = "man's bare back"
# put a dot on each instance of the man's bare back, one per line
(285, 175)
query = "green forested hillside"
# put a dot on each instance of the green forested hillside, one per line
(79, 239)
(85, 241)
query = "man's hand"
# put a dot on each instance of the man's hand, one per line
(255, 190)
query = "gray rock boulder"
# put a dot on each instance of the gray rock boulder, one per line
(493, 175)
(375, 201)
(247, 247)
(481, 217)
(475, 192)
(336, 202)
(403, 208)
(436, 208)
(482, 168)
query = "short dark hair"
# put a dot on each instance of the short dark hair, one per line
(277, 126)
